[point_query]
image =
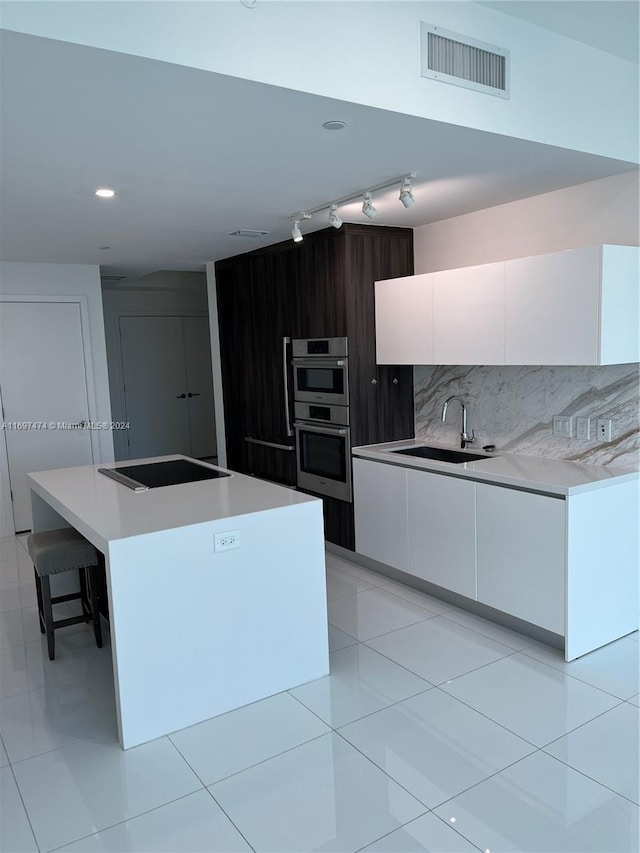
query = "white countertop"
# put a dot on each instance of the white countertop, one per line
(104, 510)
(553, 476)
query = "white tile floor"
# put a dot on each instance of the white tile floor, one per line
(435, 731)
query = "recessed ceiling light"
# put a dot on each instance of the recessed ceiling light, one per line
(104, 192)
(334, 125)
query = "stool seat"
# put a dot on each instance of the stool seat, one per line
(64, 550)
(54, 551)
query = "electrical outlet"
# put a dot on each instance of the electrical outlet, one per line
(583, 428)
(562, 426)
(226, 541)
(603, 429)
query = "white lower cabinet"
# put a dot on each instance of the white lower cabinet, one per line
(442, 530)
(565, 564)
(380, 509)
(521, 550)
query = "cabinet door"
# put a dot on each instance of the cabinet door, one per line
(442, 531)
(468, 315)
(380, 506)
(522, 554)
(404, 320)
(257, 299)
(551, 308)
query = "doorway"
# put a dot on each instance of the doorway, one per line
(43, 379)
(167, 385)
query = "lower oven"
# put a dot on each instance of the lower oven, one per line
(323, 454)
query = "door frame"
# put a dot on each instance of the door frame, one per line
(7, 524)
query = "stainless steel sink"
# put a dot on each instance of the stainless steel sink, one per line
(441, 454)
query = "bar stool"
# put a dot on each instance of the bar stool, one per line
(63, 550)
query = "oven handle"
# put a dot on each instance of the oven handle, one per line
(285, 379)
(314, 361)
(325, 430)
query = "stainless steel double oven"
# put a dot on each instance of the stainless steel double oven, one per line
(321, 405)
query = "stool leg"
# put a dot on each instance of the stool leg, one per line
(39, 596)
(84, 598)
(48, 615)
(92, 582)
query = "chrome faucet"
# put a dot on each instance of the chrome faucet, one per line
(464, 437)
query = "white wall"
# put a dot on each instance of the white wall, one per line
(604, 211)
(563, 92)
(68, 280)
(159, 294)
(513, 407)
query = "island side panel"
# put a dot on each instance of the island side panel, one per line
(197, 632)
(602, 596)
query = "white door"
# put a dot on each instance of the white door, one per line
(43, 380)
(197, 351)
(155, 386)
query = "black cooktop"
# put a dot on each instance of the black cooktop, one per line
(156, 474)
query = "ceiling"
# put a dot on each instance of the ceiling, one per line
(194, 155)
(611, 25)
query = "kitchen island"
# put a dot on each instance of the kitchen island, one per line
(197, 631)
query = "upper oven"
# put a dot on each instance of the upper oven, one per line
(320, 371)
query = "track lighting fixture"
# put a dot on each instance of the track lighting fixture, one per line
(334, 219)
(406, 193)
(367, 206)
(406, 197)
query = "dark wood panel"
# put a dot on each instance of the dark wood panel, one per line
(270, 463)
(338, 523)
(321, 304)
(381, 410)
(230, 292)
(323, 286)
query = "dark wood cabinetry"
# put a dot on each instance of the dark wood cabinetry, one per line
(322, 287)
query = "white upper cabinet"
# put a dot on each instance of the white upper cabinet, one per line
(573, 307)
(468, 315)
(579, 306)
(404, 320)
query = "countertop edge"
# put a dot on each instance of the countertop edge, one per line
(383, 453)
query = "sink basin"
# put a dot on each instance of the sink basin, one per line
(441, 454)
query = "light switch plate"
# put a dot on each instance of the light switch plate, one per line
(583, 428)
(562, 426)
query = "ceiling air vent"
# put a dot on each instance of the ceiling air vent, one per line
(453, 58)
(112, 277)
(247, 232)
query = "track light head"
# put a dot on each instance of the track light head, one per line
(406, 193)
(296, 233)
(334, 219)
(367, 206)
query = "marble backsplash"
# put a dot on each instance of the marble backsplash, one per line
(513, 408)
